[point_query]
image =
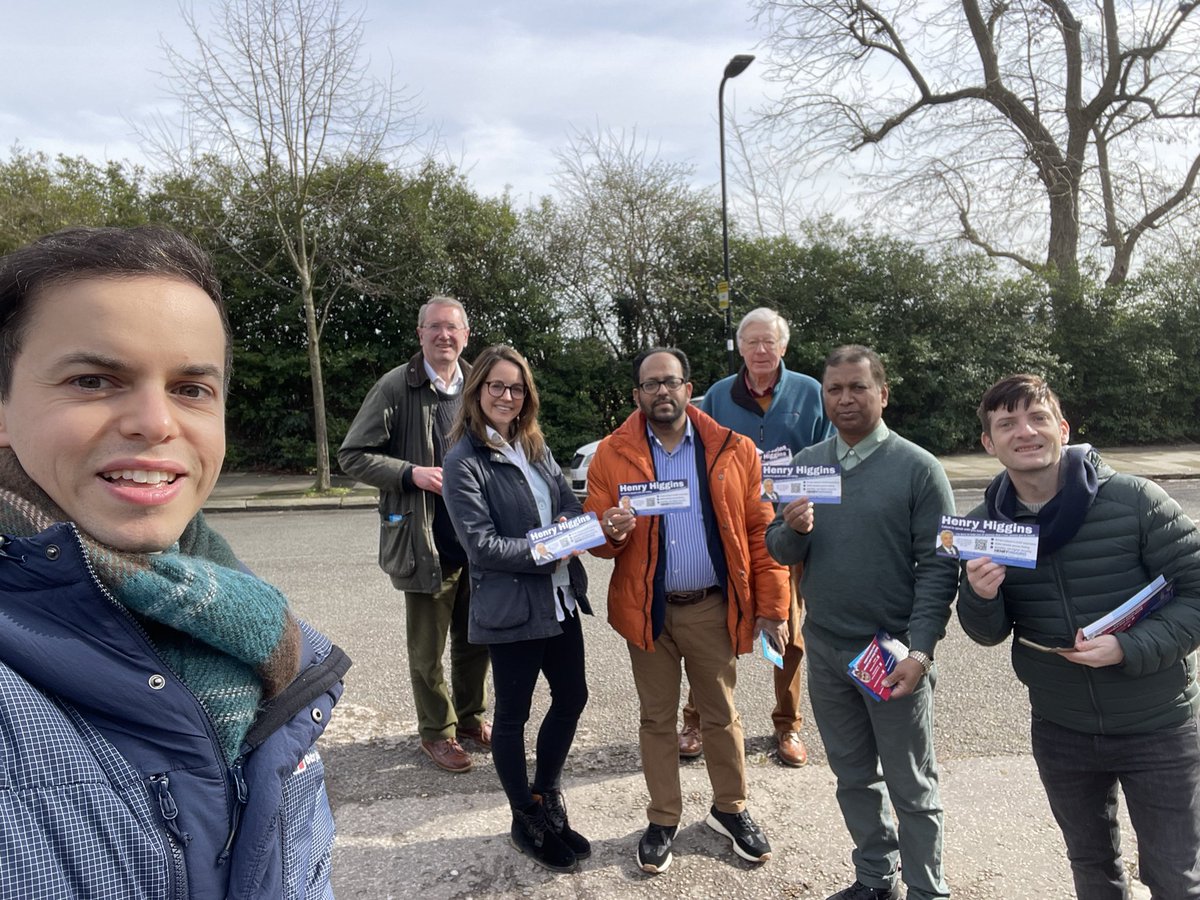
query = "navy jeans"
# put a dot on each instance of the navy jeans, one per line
(1158, 772)
(515, 669)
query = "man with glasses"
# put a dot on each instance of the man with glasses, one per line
(397, 443)
(781, 411)
(693, 587)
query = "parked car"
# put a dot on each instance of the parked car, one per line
(577, 474)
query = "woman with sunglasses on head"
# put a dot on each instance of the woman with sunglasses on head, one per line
(499, 482)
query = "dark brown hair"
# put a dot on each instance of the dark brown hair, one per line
(471, 419)
(1022, 389)
(673, 351)
(76, 254)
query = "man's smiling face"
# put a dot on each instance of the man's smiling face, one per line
(116, 405)
(1029, 438)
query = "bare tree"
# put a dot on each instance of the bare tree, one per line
(1011, 124)
(628, 239)
(277, 102)
(772, 196)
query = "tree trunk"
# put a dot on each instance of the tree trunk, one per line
(1062, 254)
(320, 428)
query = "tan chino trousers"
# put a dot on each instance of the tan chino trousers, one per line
(695, 637)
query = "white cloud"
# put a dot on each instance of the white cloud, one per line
(504, 82)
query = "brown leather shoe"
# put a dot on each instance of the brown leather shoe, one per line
(691, 744)
(448, 754)
(481, 735)
(792, 751)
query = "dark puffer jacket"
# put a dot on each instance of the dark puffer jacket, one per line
(1132, 533)
(112, 781)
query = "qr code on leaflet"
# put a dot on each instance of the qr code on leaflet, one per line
(981, 544)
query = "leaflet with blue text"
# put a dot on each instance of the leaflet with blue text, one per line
(562, 539)
(1007, 543)
(820, 484)
(655, 498)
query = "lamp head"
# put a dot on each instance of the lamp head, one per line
(738, 65)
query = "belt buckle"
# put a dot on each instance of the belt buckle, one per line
(687, 598)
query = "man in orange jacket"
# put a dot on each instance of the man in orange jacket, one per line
(692, 586)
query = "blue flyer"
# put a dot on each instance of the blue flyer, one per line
(655, 498)
(1008, 543)
(562, 539)
(820, 484)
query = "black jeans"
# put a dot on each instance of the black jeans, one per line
(515, 669)
(1158, 772)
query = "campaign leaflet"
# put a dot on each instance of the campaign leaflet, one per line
(1149, 599)
(769, 651)
(780, 456)
(561, 539)
(820, 484)
(655, 498)
(876, 662)
(1008, 543)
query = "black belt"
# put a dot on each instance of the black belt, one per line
(687, 598)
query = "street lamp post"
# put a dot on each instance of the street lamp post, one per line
(736, 67)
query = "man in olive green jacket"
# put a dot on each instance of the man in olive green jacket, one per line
(1120, 708)
(397, 443)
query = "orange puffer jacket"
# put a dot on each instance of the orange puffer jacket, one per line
(757, 586)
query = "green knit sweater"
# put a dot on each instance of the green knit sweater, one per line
(870, 561)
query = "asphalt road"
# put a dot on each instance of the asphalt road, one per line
(325, 561)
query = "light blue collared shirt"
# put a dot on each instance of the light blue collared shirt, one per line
(688, 565)
(559, 576)
(849, 457)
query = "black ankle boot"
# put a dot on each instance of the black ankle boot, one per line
(556, 814)
(533, 835)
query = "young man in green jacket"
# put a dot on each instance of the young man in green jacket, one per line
(1120, 708)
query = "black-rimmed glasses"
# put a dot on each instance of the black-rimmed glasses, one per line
(497, 389)
(652, 385)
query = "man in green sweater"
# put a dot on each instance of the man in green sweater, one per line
(870, 562)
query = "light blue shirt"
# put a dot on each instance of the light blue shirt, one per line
(849, 457)
(688, 565)
(559, 576)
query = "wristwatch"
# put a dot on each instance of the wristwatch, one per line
(923, 658)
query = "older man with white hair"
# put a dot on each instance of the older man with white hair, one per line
(782, 412)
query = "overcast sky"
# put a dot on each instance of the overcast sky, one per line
(503, 82)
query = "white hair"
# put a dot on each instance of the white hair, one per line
(768, 317)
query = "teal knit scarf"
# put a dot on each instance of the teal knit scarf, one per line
(227, 635)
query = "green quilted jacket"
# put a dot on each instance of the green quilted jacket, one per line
(1133, 532)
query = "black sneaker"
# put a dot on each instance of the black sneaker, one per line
(749, 842)
(533, 835)
(654, 849)
(860, 891)
(556, 814)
